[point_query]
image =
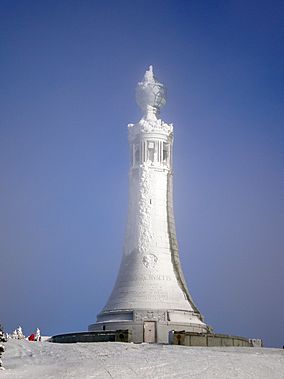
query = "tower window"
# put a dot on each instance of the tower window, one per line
(165, 152)
(151, 151)
(136, 154)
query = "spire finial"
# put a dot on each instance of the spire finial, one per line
(150, 94)
(149, 75)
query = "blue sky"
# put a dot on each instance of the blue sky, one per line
(68, 72)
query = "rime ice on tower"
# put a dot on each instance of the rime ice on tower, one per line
(150, 296)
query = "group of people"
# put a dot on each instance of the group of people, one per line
(35, 336)
(17, 334)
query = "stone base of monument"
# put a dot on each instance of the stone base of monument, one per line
(174, 338)
(149, 325)
(148, 331)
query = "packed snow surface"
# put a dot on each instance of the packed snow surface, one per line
(24, 359)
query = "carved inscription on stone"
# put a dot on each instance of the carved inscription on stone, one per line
(156, 295)
(136, 278)
(150, 315)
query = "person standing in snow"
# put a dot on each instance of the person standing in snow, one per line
(35, 336)
(31, 337)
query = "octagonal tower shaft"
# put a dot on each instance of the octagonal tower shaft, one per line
(150, 284)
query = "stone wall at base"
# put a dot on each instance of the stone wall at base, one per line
(99, 336)
(208, 339)
(137, 330)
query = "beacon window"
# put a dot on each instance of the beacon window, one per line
(136, 154)
(151, 151)
(165, 152)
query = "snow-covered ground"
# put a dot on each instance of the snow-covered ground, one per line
(24, 359)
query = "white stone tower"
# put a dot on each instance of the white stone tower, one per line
(150, 296)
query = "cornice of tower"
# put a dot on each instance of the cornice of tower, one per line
(146, 125)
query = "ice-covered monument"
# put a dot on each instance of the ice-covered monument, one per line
(150, 296)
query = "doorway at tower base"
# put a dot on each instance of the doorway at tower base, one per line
(149, 325)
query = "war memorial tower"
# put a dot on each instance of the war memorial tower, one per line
(150, 296)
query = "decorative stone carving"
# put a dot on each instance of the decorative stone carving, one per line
(150, 260)
(150, 125)
(150, 315)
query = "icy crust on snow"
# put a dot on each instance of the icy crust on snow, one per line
(33, 360)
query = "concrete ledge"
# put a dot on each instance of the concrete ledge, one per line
(207, 339)
(100, 336)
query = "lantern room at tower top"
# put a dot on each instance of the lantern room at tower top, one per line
(151, 139)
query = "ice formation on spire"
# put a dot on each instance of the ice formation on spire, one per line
(150, 94)
(149, 75)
